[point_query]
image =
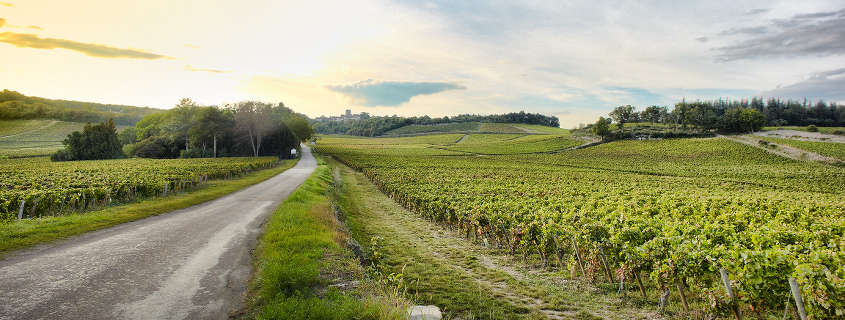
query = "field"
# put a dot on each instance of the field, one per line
(475, 127)
(825, 130)
(669, 213)
(441, 128)
(50, 188)
(26, 138)
(830, 149)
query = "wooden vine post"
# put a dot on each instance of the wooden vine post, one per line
(727, 281)
(578, 257)
(604, 263)
(799, 302)
(680, 287)
(640, 282)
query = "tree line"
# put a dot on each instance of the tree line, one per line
(369, 126)
(729, 115)
(16, 106)
(189, 130)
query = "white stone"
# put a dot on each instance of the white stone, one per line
(424, 313)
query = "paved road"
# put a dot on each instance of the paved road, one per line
(189, 264)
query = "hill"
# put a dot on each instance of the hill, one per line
(16, 106)
(371, 126)
(39, 137)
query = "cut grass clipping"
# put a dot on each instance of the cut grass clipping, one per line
(299, 257)
(26, 233)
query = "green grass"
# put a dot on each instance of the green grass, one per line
(491, 144)
(26, 233)
(300, 255)
(27, 138)
(501, 128)
(825, 130)
(435, 128)
(830, 149)
(536, 128)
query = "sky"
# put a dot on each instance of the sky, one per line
(575, 60)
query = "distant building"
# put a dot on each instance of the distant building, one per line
(348, 115)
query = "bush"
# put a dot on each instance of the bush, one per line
(812, 128)
(156, 147)
(61, 155)
(839, 132)
(194, 153)
(95, 142)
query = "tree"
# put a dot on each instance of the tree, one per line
(653, 114)
(210, 123)
(127, 136)
(602, 127)
(299, 126)
(181, 120)
(95, 142)
(621, 115)
(253, 120)
(742, 120)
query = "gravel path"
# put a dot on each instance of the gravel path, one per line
(189, 264)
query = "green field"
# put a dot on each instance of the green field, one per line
(26, 138)
(475, 127)
(825, 130)
(52, 188)
(830, 149)
(434, 128)
(667, 211)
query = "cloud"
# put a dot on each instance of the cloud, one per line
(6, 4)
(2, 22)
(813, 34)
(35, 27)
(756, 11)
(192, 69)
(21, 40)
(702, 39)
(634, 96)
(823, 85)
(746, 30)
(390, 93)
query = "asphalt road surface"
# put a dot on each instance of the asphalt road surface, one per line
(192, 263)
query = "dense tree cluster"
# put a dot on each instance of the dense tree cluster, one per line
(243, 129)
(14, 105)
(734, 115)
(369, 126)
(711, 114)
(95, 142)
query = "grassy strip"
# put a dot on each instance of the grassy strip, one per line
(26, 233)
(300, 257)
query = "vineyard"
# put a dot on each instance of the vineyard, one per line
(670, 215)
(37, 187)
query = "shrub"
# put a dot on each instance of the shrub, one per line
(95, 142)
(61, 155)
(839, 132)
(812, 128)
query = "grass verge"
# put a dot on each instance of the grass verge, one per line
(26, 233)
(303, 270)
